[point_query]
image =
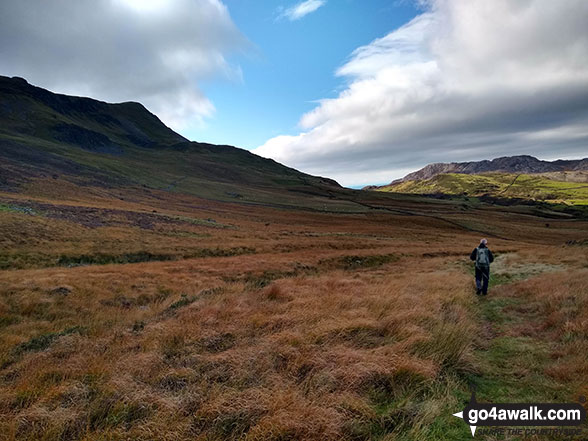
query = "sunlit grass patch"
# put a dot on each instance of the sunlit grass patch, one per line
(210, 223)
(528, 356)
(17, 209)
(361, 336)
(448, 345)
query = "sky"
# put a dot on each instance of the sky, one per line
(360, 91)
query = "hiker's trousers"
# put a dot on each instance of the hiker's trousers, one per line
(482, 278)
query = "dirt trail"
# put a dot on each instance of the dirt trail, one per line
(510, 185)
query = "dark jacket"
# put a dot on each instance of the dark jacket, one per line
(475, 253)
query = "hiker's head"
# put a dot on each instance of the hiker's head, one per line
(483, 242)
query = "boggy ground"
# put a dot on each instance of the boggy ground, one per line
(159, 316)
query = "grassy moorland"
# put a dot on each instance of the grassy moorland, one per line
(153, 288)
(145, 314)
(565, 187)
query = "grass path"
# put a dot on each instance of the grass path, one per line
(513, 365)
(513, 360)
(508, 364)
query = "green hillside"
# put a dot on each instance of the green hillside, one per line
(44, 135)
(503, 185)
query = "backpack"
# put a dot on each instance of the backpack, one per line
(483, 257)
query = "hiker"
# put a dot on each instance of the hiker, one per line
(483, 258)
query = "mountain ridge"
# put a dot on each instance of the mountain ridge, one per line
(127, 122)
(92, 142)
(525, 164)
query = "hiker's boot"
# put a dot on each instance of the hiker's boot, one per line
(478, 291)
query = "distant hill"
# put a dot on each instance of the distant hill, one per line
(44, 135)
(508, 164)
(548, 187)
(513, 177)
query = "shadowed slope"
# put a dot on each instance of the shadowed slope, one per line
(85, 141)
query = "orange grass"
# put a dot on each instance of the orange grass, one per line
(318, 335)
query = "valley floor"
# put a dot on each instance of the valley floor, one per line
(165, 317)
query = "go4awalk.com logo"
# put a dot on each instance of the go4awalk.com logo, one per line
(563, 418)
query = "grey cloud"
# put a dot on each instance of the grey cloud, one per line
(463, 81)
(153, 51)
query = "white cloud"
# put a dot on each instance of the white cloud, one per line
(465, 80)
(153, 51)
(302, 9)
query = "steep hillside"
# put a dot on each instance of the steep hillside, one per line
(87, 142)
(87, 123)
